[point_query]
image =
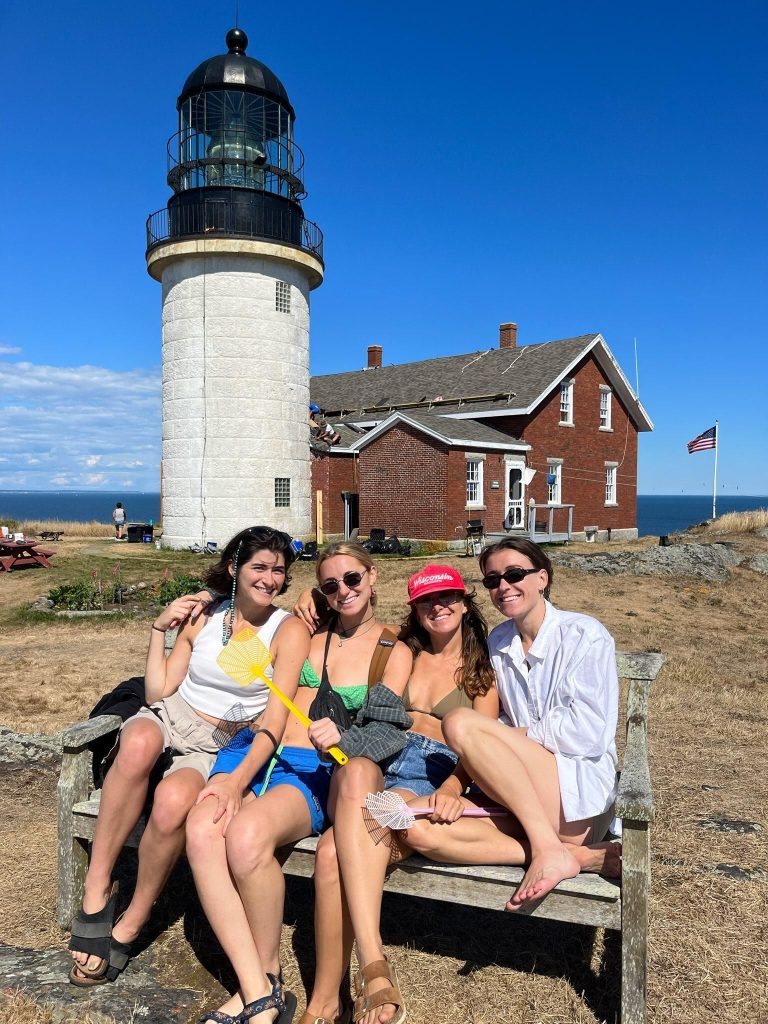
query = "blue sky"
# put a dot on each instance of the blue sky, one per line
(571, 167)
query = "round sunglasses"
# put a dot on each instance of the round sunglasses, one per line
(349, 579)
(514, 574)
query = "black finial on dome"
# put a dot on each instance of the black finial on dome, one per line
(236, 40)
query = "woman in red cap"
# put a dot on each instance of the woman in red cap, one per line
(447, 634)
(551, 757)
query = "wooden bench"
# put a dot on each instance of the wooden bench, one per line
(54, 535)
(587, 899)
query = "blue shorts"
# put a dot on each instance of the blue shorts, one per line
(421, 766)
(293, 766)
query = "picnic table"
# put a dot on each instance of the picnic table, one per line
(53, 535)
(20, 553)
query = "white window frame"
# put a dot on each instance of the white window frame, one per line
(282, 492)
(566, 403)
(606, 408)
(611, 474)
(474, 481)
(282, 297)
(555, 490)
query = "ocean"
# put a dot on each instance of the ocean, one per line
(656, 513)
(79, 506)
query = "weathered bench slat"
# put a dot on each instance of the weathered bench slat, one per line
(445, 883)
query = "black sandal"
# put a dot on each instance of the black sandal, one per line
(284, 1002)
(119, 956)
(92, 934)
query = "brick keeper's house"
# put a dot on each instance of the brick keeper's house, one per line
(538, 439)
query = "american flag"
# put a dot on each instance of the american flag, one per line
(704, 441)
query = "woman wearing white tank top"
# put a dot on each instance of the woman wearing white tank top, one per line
(189, 696)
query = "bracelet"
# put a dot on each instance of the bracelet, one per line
(159, 630)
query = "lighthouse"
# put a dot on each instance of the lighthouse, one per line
(237, 261)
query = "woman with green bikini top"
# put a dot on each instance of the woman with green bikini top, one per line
(289, 797)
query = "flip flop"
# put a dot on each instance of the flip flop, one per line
(92, 934)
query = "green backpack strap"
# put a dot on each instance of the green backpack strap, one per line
(384, 647)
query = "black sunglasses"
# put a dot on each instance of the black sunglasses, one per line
(349, 579)
(514, 574)
(443, 597)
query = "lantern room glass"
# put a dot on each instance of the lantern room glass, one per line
(253, 132)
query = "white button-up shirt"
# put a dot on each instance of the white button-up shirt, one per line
(566, 692)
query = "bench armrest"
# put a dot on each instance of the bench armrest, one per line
(634, 801)
(78, 737)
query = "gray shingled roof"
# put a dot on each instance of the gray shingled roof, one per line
(460, 430)
(482, 379)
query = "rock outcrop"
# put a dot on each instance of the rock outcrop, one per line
(701, 561)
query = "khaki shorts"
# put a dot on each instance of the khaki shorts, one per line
(187, 738)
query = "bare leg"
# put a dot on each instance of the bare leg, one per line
(333, 931)
(521, 775)
(363, 866)
(499, 840)
(161, 845)
(122, 800)
(279, 817)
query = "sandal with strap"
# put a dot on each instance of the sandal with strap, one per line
(344, 1017)
(278, 999)
(119, 955)
(92, 934)
(391, 994)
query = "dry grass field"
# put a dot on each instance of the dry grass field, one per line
(709, 722)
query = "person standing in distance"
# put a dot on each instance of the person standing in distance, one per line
(118, 518)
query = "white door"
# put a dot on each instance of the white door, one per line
(515, 495)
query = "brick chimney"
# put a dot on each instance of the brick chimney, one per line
(507, 336)
(374, 355)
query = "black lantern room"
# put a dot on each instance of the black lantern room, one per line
(233, 165)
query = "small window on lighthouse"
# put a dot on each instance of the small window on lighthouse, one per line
(282, 297)
(282, 492)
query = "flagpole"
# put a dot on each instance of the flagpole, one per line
(714, 482)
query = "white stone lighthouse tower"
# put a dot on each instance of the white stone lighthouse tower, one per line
(237, 260)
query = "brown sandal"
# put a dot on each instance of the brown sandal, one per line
(390, 994)
(306, 1018)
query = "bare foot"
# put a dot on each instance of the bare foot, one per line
(599, 858)
(546, 870)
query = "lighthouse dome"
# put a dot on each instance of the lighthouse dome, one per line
(235, 69)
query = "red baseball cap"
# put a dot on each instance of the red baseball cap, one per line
(433, 578)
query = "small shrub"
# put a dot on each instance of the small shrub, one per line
(84, 595)
(179, 586)
(12, 524)
(428, 547)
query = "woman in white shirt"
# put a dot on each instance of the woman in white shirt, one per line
(551, 756)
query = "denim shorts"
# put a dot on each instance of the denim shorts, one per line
(293, 766)
(421, 766)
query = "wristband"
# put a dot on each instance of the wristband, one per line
(159, 630)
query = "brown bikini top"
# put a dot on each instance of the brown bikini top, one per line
(457, 698)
